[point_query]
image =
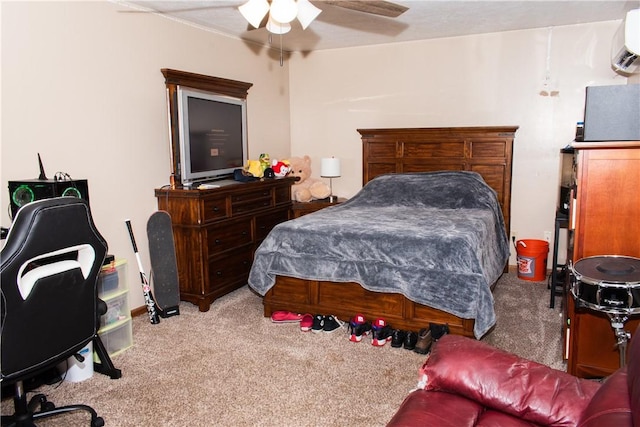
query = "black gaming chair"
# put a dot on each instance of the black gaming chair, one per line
(50, 308)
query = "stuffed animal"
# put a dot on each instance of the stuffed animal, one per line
(264, 161)
(257, 167)
(280, 168)
(254, 168)
(306, 188)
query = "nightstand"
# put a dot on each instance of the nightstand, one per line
(302, 208)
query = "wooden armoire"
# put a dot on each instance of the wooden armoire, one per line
(604, 219)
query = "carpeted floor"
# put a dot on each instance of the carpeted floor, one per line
(231, 366)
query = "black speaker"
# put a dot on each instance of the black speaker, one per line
(611, 113)
(26, 191)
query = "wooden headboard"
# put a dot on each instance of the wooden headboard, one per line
(486, 150)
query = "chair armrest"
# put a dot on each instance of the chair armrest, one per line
(505, 382)
(610, 406)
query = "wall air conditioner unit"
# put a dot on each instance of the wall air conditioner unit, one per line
(626, 44)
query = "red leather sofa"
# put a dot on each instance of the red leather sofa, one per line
(465, 382)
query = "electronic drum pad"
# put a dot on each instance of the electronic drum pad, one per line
(610, 269)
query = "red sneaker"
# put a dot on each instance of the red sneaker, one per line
(285, 317)
(359, 327)
(306, 323)
(382, 332)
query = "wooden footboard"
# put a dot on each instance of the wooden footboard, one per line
(346, 299)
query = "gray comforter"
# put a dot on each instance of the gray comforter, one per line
(437, 238)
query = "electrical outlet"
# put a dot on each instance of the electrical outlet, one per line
(514, 236)
(547, 236)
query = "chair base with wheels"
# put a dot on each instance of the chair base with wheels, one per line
(39, 407)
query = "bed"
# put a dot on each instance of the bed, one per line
(424, 242)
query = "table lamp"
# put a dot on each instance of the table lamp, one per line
(330, 168)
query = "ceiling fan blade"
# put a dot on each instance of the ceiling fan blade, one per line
(143, 7)
(263, 23)
(382, 8)
(164, 12)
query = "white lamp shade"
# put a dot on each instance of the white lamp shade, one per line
(307, 13)
(254, 11)
(283, 11)
(330, 167)
(276, 27)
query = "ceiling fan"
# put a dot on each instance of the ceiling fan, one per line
(276, 15)
(257, 12)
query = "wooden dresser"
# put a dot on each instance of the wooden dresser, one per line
(603, 220)
(486, 150)
(216, 232)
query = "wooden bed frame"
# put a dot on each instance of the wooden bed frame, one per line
(486, 150)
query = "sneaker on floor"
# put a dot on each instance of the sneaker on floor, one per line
(358, 327)
(318, 323)
(332, 324)
(306, 323)
(438, 331)
(410, 340)
(285, 317)
(397, 338)
(381, 332)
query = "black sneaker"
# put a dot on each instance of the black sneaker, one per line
(381, 332)
(318, 323)
(438, 331)
(410, 340)
(397, 338)
(358, 327)
(332, 324)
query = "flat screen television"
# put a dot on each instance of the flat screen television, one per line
(213, 135)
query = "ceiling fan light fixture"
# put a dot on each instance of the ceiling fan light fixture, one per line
(254, 11)
(307, 13)
(276, 27)
(284, 11)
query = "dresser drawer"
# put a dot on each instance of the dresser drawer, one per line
(250, 201)
(251, 206)
(264, 223)
(230, 268)
(228, 235)
(215, 208)
(283, 195)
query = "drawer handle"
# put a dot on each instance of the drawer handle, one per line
(217, 241)
(244, 233)
(218, 273)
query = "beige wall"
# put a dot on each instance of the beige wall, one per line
(81, 85)
(484, 80)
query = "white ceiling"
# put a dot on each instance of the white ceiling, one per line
(426, 19)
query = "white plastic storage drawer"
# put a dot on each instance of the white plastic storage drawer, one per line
(117, 309)
(112, 278)
(117, 337)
